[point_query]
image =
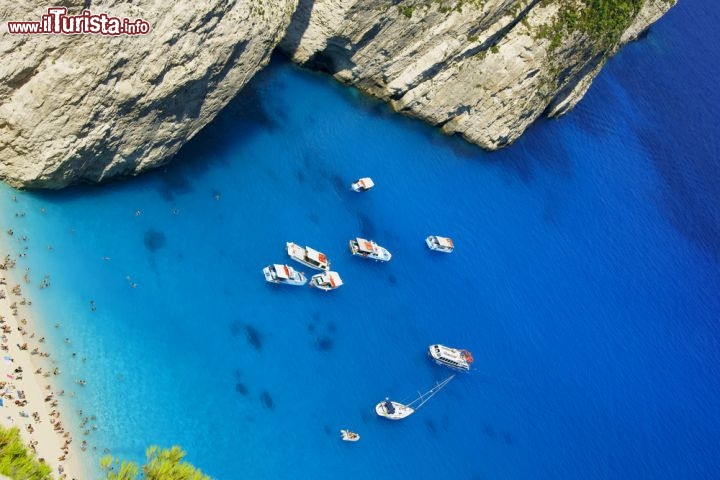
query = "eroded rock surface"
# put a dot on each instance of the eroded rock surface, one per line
(479, 68)
(89, 107)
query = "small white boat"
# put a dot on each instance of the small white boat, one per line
(393, 410)
(362, 185)
(440, 244)
(349, 436)
(369, 249)
(326, 281)
(277, 273)
(308, 256)
(451, 357)
(397, 411)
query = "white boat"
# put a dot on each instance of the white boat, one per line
(393, 410)
(397, 411)
(308, 256)
(277, 273)
(369, 249)
(349, 436)
(362, 185)
(451, 357)
(440, 244)
(326, 281)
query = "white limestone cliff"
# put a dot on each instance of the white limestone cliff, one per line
(477, 68)
(77, 108)
(89, 107)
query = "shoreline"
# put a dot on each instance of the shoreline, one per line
(30, 400)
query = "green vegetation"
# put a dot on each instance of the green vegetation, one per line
(444, 6)
(477, 4)
(15, 460)
(162, 464)
(407, 11)
(602, 21)
(258, 9)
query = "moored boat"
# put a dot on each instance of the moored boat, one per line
(451, 357)
(440, 244)
(393, 410)
(362, 185)
(369, 249)
(326, 281)
(308, 256)
(349, 436)
(277, 273)
(397, 411)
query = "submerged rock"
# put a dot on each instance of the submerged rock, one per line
(154, 240)
(241, 388)
(267, 400)
(254, 337)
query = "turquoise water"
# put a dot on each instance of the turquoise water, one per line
(584, 281)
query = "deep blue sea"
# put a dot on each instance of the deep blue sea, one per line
(585, 281)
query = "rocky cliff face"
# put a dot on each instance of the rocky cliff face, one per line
(89, 107)
(485, 69)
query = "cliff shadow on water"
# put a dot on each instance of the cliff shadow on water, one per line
(536, 150)
(243, 117)
(681, 137)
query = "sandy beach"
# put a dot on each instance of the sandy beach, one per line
(29, 401)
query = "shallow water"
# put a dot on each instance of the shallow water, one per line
(584, 281)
